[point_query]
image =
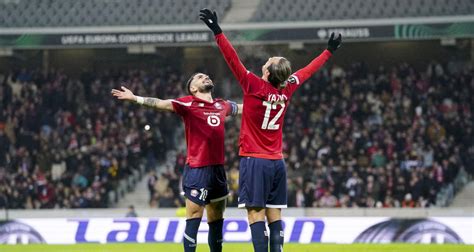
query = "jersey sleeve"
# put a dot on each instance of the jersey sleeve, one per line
(296, 79)
(181, 105)
(231, 108)
(233, 61)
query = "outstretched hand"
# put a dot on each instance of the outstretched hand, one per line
(124, 94)
(334, 44)
(210, 19)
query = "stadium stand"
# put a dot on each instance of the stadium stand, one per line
(69, 13)
(306, 10)
(66, 143)
(393, 137)
(464, 197)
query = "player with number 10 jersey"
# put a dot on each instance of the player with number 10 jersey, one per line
(204, 179)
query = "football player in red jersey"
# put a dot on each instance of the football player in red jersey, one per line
(204, 178)
(262, 179)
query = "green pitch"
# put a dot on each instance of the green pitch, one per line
(237, 247)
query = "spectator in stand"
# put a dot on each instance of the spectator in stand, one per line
(152, 179)
(61, 143)
(131, 212)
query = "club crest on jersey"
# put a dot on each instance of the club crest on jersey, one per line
(218, 105)
(201, 104)
(194, 193)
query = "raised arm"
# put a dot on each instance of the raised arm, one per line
(126, 94)
(304, 73)
(226, 48)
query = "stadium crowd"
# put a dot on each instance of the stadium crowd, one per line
(66, 143)
(353, 137)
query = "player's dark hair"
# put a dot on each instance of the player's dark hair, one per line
(279, 72)
(188, 83)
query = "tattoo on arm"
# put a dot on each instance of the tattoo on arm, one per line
(156, 103)
(151, 102)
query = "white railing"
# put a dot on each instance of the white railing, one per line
(241, 26)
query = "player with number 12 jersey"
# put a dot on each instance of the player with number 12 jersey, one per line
(264, 104)
(262, 172)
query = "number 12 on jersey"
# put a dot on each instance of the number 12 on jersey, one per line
(271, 124)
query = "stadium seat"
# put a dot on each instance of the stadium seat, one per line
(24, 13)
(270, 10)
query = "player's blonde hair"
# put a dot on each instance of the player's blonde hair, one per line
(279, 72)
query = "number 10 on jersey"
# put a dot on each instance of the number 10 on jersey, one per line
(271, 124)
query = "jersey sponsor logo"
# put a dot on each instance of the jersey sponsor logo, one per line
(213, 120)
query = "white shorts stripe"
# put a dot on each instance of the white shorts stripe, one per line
(242, 205)
(220, 198)
(276, 206)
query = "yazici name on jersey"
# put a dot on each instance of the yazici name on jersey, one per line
(171, 230)
(276, 97)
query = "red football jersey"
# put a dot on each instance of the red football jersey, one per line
(204, 128)
(264, 105)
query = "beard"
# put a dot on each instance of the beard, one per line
(207, 88)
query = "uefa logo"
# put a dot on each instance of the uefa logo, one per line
(14, 232)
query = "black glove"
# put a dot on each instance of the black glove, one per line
(333, 44)
(210, 19)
